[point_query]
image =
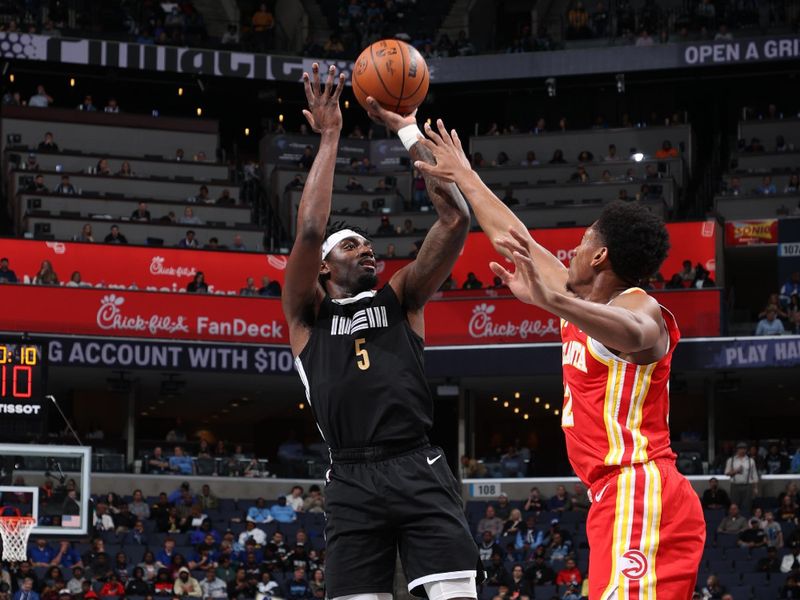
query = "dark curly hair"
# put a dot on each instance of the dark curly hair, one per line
(340, 225)
(636, 238)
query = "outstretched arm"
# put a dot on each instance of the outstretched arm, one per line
(631, 324)
(494, 217)
(302, 292)
(417, 282)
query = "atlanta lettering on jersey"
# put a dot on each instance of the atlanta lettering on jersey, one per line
(574, 353)
(367, 318)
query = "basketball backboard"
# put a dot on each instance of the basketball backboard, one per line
(49, 483)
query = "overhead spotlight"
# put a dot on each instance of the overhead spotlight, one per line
(11, 78)
(537, 399)
(247, 131)
(234, 405)
(547, 406)
(71, 82)
(301, 406)
(550, 84)
(199, 112)
(180, 91)
(526, 416)
(620, 83)
(516, 395)
(280, 118)
(505, 404)
(516, 410)
(555, 412)
(347, 103)
(494, 398)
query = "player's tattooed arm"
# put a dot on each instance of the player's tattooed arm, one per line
(302, 292)
(495, 218)
(416, 283)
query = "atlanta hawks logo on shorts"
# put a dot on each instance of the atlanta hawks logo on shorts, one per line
(633, 564)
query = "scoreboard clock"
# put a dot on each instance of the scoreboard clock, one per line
(21, 374)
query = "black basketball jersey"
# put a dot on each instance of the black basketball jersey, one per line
(363, 372)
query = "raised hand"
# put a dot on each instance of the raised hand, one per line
(525, 282)
(451, 161)
(391, 120)
(323, 112)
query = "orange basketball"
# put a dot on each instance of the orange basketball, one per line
(393, 73)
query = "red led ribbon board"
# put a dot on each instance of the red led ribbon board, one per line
(485, 320)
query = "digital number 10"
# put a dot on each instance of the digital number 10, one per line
(21, 381)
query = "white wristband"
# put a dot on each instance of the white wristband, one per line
(408, 135)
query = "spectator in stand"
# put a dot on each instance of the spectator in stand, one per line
(793, 185)
(179, 462)
(491, 523)
(189, 240)
(189, 218)
(295, 498)
(769, 563)
(40, 99)
(112, 586)
(75, 584)
(472, 282)
(585, 156)
(307, 158)
(231, 36)
(297, 588)
(733, 523)
(743, 472)
(26, 591)
(702, 278)
(535, 503)
(65, 188)
(198, 285)
(770, 324)
(102, 167)
(790, 288)
(48, 144)
(225, 198)
(775, 463)
(41, 554)
(315, 501)
(514, 524)
(560, 502)
(570, 574)
(125, 170)
(791, 562)
(37, 186)
(237, 244)
(211, 586)
(787, 509)
(141, 213)
(157, 463)
(767, 187)
(753, 536)
(115, 237)
(713, 589)
(202, 196)
(136, 585)
(773, 531)
(612, 155)
(558, 158)
(112, 106)
(87, 105)
(263, 26)
(578, 22)
(385, 228)
(250, 288)
(186, 585)
(715, 498)
(530, 159)
(259, 513)
(251, 532)
(666, 151)
(509, 199)
(31, 163)
(6, 275)
(46, 275)
(281, 512)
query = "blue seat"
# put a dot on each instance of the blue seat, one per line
(741, 556)
(134, 553)
(721, 567)
(755, 580)
(546, 591)
(740, 592)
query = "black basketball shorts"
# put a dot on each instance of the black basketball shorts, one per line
(376, 505)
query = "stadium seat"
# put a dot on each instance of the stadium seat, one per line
(740, 592)
(721, 567)
(546, 591)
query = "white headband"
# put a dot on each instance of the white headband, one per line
(334, 238)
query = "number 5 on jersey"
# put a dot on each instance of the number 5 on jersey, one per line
(362, 356)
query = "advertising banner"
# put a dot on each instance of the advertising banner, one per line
(171, 269)
(221, 319)
(751, 232)
(246, 65)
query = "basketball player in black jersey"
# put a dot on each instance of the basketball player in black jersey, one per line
(359, 354)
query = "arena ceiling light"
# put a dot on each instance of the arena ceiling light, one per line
(620, 83)
(550, 85)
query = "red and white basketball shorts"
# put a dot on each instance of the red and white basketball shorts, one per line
(646, 534)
